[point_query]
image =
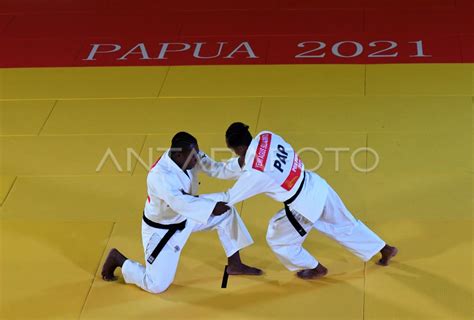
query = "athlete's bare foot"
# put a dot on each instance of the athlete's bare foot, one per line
(318, 272)
(242, 269)
(114, 259)
(388, 253)
(236, 267)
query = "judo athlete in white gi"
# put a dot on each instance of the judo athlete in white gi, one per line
(271, 166)
(172, 213)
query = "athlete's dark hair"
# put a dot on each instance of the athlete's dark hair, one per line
(238, 134)
(182, 141)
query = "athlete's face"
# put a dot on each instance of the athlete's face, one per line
(187, 159)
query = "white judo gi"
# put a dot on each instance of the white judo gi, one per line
(168, 204)
(272, 167)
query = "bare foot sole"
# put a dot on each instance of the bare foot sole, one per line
(316, 273)
(243, 269)
(114, 260)
(388, 253)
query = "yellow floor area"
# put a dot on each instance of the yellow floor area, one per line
(76, 143)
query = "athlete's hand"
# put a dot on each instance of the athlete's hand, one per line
(220, 208)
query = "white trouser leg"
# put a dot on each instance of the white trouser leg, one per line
(287, 243)
(159, 275)
(231, 230)
(338, 223)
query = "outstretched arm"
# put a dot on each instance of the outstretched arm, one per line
(249, 184)
(229, 169)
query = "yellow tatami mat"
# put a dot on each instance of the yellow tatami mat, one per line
(422, 152)
(52, 275)
(434, 278)
(53, 155)
(367, 114)
(197, 288)
(24, 117)
(6, 184)
(428, 195)
(264, 80)
(76, 144)
(420, 79)
(145, 116)
(78, 83)
(76, 198)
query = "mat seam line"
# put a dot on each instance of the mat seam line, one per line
(365, 80)
(97, 269)
(9, 191)
(164, 81)
(139, 155)
(258, 115)
(47, 118)
(363, 301)
(366, 152)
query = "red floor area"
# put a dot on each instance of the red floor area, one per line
(98, 33)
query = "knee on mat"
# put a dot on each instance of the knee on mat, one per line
(157, 287)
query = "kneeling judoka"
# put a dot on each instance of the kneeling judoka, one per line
(271, 166)
(172, 213)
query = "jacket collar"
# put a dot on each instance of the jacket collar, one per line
(170, 165)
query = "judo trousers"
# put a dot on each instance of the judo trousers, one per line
(158, 276)
(335, 222)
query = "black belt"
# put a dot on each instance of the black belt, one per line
(172, 228)
(290, 215)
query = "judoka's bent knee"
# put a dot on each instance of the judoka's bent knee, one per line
(156, 286)
(274, 237)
